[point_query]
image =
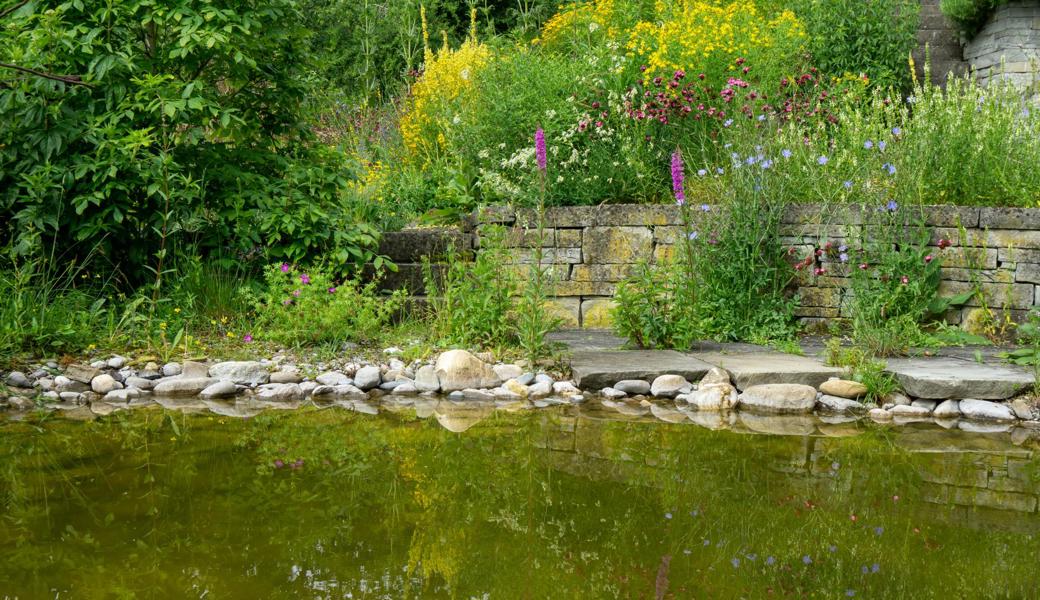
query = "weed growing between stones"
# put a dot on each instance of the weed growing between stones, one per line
(862, 368)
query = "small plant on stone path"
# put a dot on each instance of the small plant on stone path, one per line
(862, 368)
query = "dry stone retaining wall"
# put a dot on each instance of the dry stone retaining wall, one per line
(592, 248)
(1008, 45)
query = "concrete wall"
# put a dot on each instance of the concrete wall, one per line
(1011, 36)
(939, 39)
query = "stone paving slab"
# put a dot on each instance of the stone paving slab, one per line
(596, 369)
(758, 367)
(942, 378)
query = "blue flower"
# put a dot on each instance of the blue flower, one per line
(897, 131)
(751, 160)
(822, 160)
(806, 559)
(720, 170)
(868, 144)
(668, 515)
(864, 569)
(879, 530)
(874, 568)
(693, 236)
(705, 208)
(832, 548)
(707, 542)
(761, 117)
(843, 257)
(735, 562)
(701, 172)
(892, 206)
(843, 248)
(848, 185)
(766, 164)
(890, 168)
(850, 593)
(728, 123)
(770, 560)
(785, 153)
(835, 465)
(882, 145)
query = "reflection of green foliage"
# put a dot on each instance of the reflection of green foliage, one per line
(537, 504)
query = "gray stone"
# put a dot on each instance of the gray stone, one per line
(171, 369)
(367, 378)
(247, 372)
(123, 395)
(895, 399)
(426, 379)
(942, 378)
(139, 383)
(539, 390)
(716, 375)
(460, 370)
(116, 362)
(843, 388)
(925, 403)
(104, 383)
(985, 411)
(308, 386)
(333, 378)
(525, 379)
(194, 369)
(633, 386)
(948, 409)
(338, 392)
(839, 405)
(285, 376)
(481, 395)
(280, 392)
(903, 410)
(565, 389)
(1022, 409)
(507, 372)
(780, 398)
(20, 403)
(502, 393)
(71, 397)
(767, 367)
(81, 373)
(67, 384)
(711, 396)
(880, 415)
(612, 394)
(543, 378)
(182, 386)
(595, 369)
(668, 386)
(389, 386)
(407, 388)
(224, 388)
(18, 379)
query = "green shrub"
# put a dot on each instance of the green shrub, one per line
(311, 306)
(175, 121)
(852, 37)
(969, 14)
(653, 307)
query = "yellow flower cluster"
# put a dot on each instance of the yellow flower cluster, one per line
(438, 95)
(578, 18)
(372, 182)
(690, 35)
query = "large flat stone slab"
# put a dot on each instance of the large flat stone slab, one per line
(942, 378)
(597, 369)
(765, 366)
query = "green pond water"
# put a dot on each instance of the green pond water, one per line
(568, 502)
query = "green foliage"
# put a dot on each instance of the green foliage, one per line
(470, 301)
(969, 14)
(534, 320)
(855, 37)
(180, 119)
(653, 308)
(311, 306)
(862, 368)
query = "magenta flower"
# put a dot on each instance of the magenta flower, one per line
(929, 259)
(332, 290)
(285, 267)
(247, 338)
(296, 293)
(539, 148)
(678, 178)
(305, 279)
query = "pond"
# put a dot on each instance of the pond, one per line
(451, 501)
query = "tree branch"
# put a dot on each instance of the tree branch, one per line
(69, 79)
(10, 10)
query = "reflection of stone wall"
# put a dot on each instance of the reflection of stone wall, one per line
(595, 247)
(1012, 37)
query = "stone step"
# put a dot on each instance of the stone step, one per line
(597, 369)
(765, 366)
(942, 378)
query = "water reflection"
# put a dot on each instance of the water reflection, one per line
(432, 498)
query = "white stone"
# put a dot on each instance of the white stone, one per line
(246, 372)
(880, 414)
(460, 370)
(779, 398)
(565, 389)
(333, 378)
(716, 375)
(279, 392)
(948, 409)
(539, 389)
(182, 386)
(405, 389)
(368, 377)
(612, 393)
(287, 375)
(193, 369)
(221, 389)
(104, 383)
(668, 386)
(711, 396)
(909, 410)
(171, 369)
(841, 405)
(983, 410)
(507, 372)
(843, 388)
(633, 386)
(426, 379)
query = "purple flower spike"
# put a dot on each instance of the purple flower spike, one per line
(678, 178)
(539, 148)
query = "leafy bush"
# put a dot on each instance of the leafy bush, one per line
(852, 37)
(311, 306)
(653, 307)
(969, 14)
(132, 122)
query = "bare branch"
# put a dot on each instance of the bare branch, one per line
(69, 79)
